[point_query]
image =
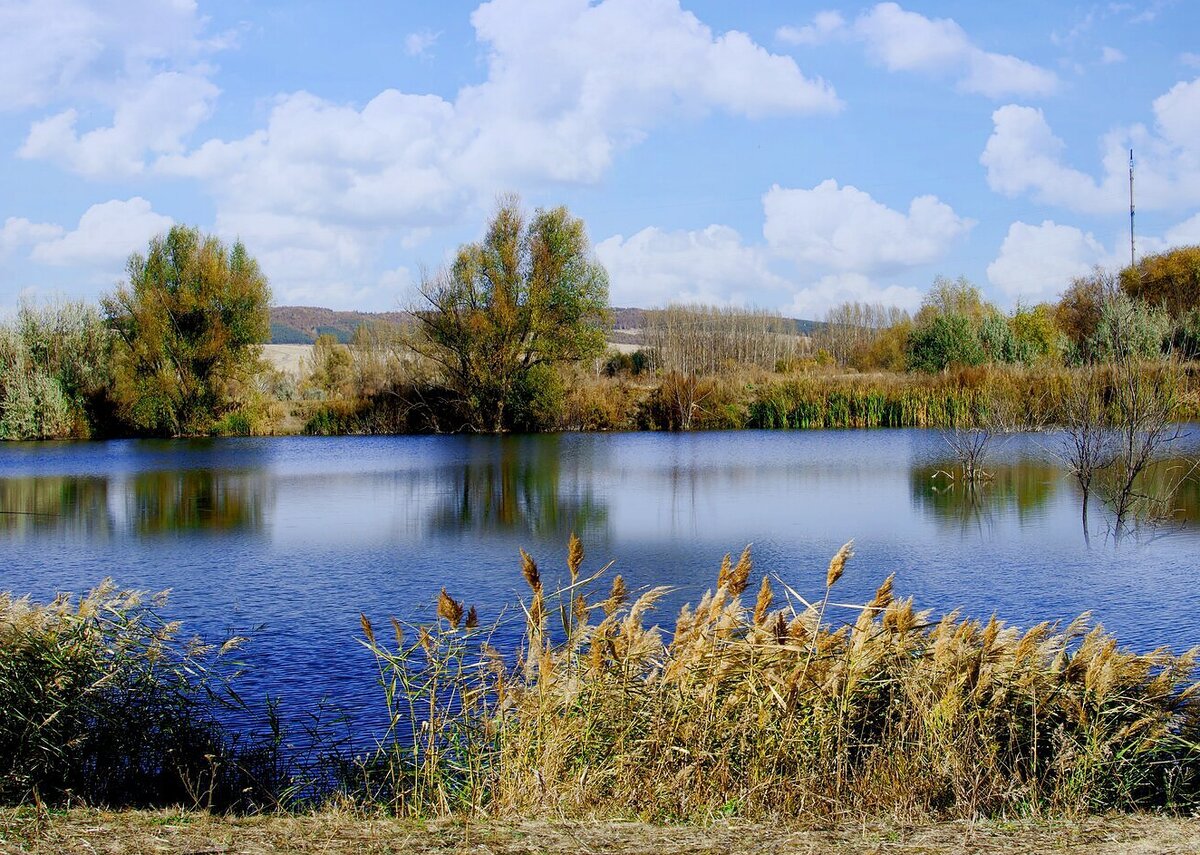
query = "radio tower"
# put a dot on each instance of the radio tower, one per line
(1132, 255)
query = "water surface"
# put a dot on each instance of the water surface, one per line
(290, 539)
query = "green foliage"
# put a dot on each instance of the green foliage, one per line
(529, 294)
(1168, 280)
(53, 371)
(939, 342)
(1129, 329)
(955, 297)
(1186, 337)
(186, 325)
(1036, 335)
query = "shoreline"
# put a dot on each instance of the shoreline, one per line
(332, 832)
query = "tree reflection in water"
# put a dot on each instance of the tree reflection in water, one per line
(1022, 488)
(55, 503)
(196, 499)
(522, 484)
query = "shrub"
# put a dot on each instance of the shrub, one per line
(103, 702)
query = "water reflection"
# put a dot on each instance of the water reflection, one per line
(196, 499)
(1020, 489)
(521, 484)
(55, 503)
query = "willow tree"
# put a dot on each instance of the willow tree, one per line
(528, 296)
(186, 323)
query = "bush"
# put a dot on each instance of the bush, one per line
(103, 702)
(942, 341)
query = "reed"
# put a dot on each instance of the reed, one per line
(102, 702)
(783, 706)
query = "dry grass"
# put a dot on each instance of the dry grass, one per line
(780, 707)
(335, 833)
(103, 702)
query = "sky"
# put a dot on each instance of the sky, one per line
(782, 155)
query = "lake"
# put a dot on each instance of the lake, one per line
(289, 539)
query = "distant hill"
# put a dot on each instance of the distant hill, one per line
(302, 324)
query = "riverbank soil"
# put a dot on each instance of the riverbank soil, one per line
(190, 833)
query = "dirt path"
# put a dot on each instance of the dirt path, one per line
(333, 834)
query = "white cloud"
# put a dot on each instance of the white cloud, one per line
(154, 119)
(1111, 56)
(569, 84)
(907, 41)
(1190, 59)
(842, 245)
(56, 49)
(106, 235)
(844, 229)
(1024, 156)
(1037, 262)
(420, 43)
(813, 301)
(140, 61)
(712, 265)
(825, 25)
(1186, 233)
(19, 232)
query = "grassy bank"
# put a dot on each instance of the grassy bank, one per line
(337, 832)
(1025, 397)
(760, 704)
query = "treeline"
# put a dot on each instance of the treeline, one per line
(170, 352)
(511, 336)
(1155, 306)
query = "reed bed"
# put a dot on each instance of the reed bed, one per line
(761, 703)
(102, 702)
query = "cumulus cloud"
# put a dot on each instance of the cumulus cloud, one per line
(712, 265)
(56, 49)
(1023, 155)
(153, 119)
(141, 61)
(569, 84)
(844, 229)
(822, 247)
(107, 233)
(18, 232)
(825, 25)
(1185, 233)
(1037, 261)
(901, 40)
(814, 300)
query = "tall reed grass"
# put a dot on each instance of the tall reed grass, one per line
(102, 702)
(769, 704)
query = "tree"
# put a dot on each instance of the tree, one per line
(1170, 280)
(1078, 311)
(939, 342)
(186, 323)
(528, 296)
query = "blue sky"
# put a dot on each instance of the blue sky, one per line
(785, 155)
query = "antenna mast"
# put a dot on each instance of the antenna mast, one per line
(1132, 255)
